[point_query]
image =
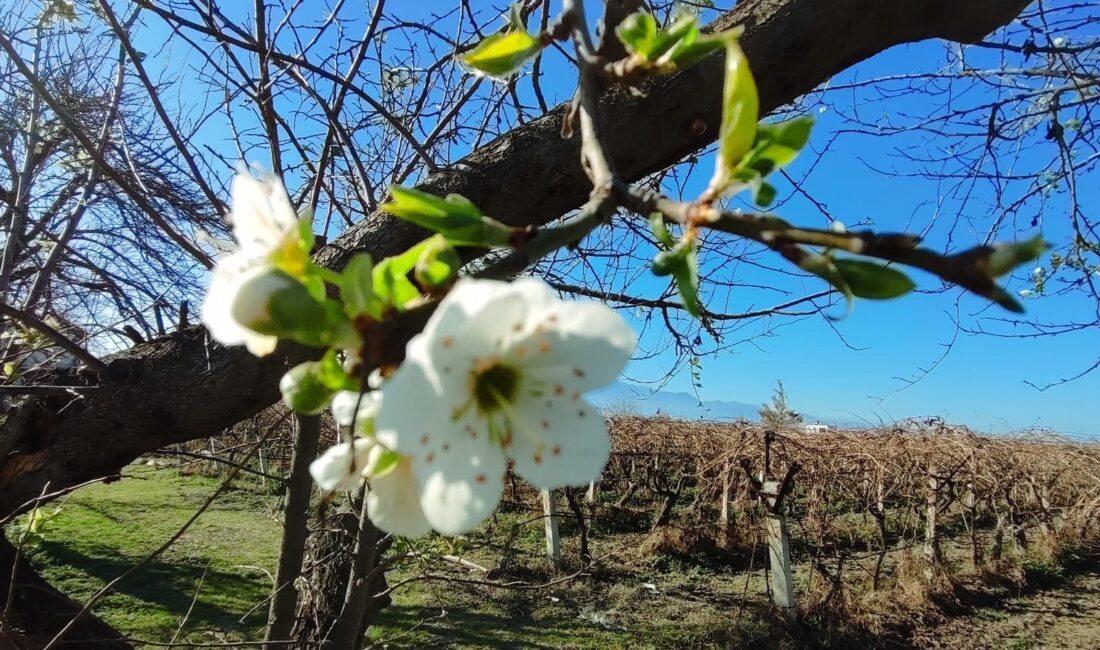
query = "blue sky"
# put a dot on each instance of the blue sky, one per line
(981, 382)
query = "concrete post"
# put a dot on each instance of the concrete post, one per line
(553, 540)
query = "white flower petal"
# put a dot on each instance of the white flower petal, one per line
(476, 320)
(216, 312)
(558, 441)
(393, 502)
(260, 345)
(581, 346)
(262, 215)
(339, 468)
(461, 483)
(344, 406)
(412, 411)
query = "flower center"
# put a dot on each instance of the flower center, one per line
(495, 386)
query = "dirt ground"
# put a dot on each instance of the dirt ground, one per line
(1064, 617)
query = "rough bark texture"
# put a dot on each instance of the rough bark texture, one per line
(182, 387)
(299, 486)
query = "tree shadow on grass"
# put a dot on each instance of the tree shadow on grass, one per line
(166, 586)
(467, 629)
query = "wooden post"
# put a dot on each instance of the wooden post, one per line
(931, 533)
(264, 465)
(553, 540)
(727, 487)
(780, 576)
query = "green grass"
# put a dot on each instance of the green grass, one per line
(222, 560)
(218, 577)
(103, 530)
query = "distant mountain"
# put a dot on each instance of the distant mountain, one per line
(637, 400)
(623, 397)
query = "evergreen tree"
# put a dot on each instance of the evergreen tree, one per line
(778, 414)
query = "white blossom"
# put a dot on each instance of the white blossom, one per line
(393, 494)
(1026, 293)
(499, 372)
(265, 227)
(349, 405)
(837, 226)
(1038, 272)
(340, 467)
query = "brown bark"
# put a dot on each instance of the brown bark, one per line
(182, 387)
(299, 487)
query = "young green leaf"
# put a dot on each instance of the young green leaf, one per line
(824, 266)
(686, 275)
(691, 51)
(331, 373)
(357, 286)
(392, 285)
(637, 31)
(660, 231)
(502, 54)
(438, 264)
(1006, 257)
(777, 145)
(873, 281)
(383, 464)
(764, 194)
(666, 262)
(684, 29)
(303, 391)
(455, 217)
(740, 110)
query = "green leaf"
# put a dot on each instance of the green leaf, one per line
(740, 110)
(660, 230)
(666, 262)
(1006, 257)
(357, 286)
(383, 464)
(303, 391)
(873, 281)
(331, 373)
(315, 285)
(689, 52)
(684, 29)
(824, 266)
(438, 264)
(679, 44)
(501, 55)
(392, 285)
(777, 145)
(637, 31)
(686, 275)
(454, 217)
(277, 304)
(764, 194)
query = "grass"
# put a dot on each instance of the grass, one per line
(220, 562)
(224, 560)
(652, 592)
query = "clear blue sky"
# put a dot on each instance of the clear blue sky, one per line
(981, 382)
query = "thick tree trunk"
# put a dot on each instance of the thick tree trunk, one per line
(37, 611)
(350, 625)
(330, 556)
(529, 175)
